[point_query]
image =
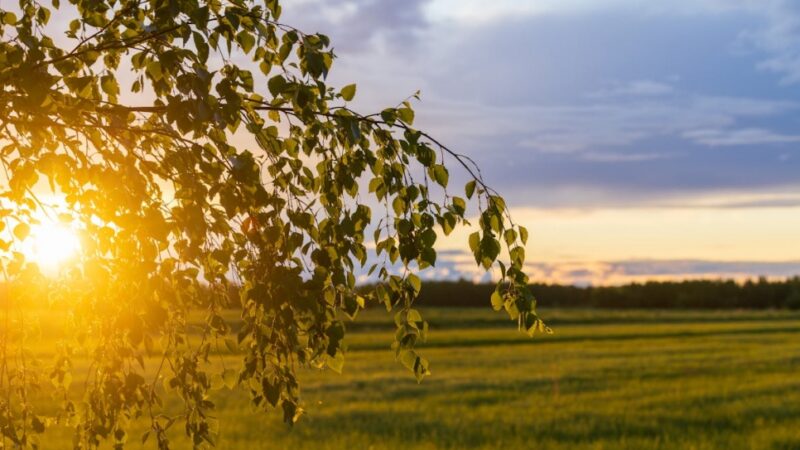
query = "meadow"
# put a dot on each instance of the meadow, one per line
(605, 380)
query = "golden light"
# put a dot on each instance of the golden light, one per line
(51, 244)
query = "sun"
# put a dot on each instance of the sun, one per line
(51, 244)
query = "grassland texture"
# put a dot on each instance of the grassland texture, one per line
(604, 380)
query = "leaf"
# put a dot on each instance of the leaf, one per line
(348, 92)
(154, 70)
(246, 41)
(497, 300)
(415, 282)
(230, 377)
(421, 368)
(469, 189)
(406, 115)
(408, 358)
(336, 362)
(9, 18)
(276, 85)
(109, 85)
(22, 230)
(474, 242)
(439, 174)
(459, 205)
(490, 249)
(43, 16)
(510, 236)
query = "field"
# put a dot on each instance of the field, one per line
(604, 380)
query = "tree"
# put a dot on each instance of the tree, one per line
(189, 173)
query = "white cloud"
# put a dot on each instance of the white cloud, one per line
(779, 38)
(744, 136)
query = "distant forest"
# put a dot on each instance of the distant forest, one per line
(700, 294)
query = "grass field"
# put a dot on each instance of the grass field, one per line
(604, 380)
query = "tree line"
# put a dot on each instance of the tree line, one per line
(694, 294)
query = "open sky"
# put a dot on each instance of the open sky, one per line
(635, 139)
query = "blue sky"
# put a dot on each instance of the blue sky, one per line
(581, 111)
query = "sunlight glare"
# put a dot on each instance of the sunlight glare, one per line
(51, 244)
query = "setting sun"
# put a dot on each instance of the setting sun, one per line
(51, 244)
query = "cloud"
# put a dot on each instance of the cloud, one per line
(599, 273)
(614, 157)
(622, 272)
(603, 123)
(578, 102)
(779, 38)
(461, 266)
(788, 198)
(358, 25)
(745, 136)
(637, 88)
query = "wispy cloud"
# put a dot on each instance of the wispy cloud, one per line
(621, 272)
(461, 266)
(571, 128)
(745, 136)
(636, 88)
(616, 157)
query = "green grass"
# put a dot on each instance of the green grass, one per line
(604, 380)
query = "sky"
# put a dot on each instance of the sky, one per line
(635, 139)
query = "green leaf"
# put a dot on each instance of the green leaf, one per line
(416, 283)
(474, 242)
(276, 85)
(43, 16)
(497, 300)
(348, 92)
(510, 236)
(406, 115)
(490, 249)
(154, 70)
(459, 205)
(469, 188)
(246, 41)
(336, 362)
(408, 358)
(439, 174)
(109, 85)
(9, 18)
(523, 234)
(421, 368)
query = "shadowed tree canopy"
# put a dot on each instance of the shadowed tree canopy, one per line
(196, 149)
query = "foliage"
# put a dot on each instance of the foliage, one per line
(186, 172)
